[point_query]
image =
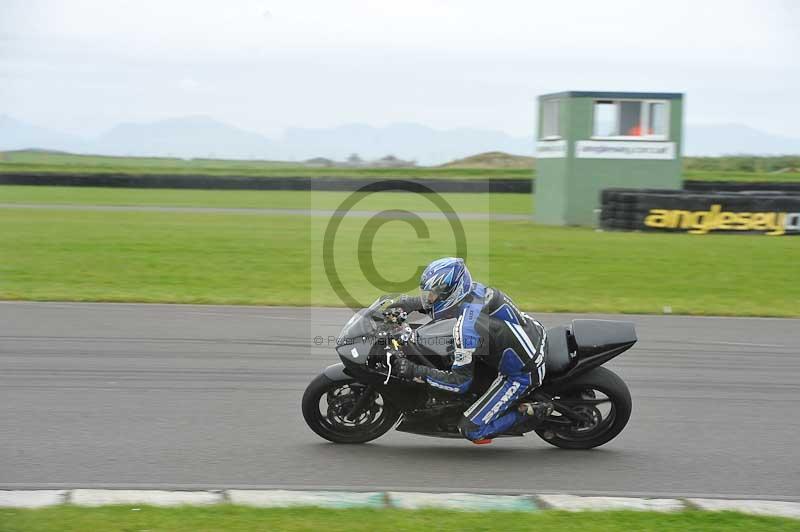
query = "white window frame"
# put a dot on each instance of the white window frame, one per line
(557, 136)
(644, 118)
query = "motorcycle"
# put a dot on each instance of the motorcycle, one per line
(359, 399)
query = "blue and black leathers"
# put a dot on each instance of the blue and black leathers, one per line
(516, 350)
(489, 326)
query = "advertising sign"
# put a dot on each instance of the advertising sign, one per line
(616, 149)
(551, 149)
(716, 218)
(700, 214)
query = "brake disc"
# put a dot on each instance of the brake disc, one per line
(592, 417)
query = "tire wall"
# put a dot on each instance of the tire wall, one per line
(344, 184)
(760, 212)
(740, 186)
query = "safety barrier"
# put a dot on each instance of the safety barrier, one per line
(233, 182)
(343, 184)
(740, 186)
(773, 214)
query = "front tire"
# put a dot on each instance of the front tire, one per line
(326, 404)
(601, 425)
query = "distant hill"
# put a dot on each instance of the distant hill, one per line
(492, 159)
(413, 142)
(205, 137)
(17, 135)
(735, 139)
(194, 136)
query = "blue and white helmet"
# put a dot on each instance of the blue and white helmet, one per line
(444, 283)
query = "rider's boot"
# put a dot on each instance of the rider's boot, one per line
(536, 409)
(533, 414)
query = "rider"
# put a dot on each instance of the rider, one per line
(490, 326)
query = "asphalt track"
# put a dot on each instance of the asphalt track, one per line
(160, 396)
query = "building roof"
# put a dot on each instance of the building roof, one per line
(615, 94)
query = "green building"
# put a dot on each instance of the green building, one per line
(589, 141)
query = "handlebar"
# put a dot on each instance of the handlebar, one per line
(395, 315)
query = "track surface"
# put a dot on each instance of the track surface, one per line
(199, 396)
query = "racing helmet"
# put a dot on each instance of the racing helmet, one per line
(444, 283)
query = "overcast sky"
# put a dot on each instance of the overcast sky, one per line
(84, 66)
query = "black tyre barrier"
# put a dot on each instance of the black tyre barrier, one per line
(769, 213)
(738, 186)
(232, 182)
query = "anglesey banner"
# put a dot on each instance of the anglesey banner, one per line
(701, 214)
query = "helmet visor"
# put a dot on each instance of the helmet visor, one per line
(429, 297)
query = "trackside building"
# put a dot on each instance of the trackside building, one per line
(590, 141)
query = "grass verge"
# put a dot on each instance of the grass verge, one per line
(277, 260)
(704, 169)
(260, 199)
(236, 518)
(65, 163)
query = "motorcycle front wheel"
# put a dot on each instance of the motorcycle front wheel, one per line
(328, 408)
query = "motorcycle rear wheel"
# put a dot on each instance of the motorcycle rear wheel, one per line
(601, 425)
(326, 404)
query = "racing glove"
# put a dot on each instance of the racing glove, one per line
(405, 369)
(404, 302)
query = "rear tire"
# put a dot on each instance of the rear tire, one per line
(612, 386)
(379, 417)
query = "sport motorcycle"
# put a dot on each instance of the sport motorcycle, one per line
(360, 399)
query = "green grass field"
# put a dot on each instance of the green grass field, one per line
(705, 169)
(227, 518)
(277, 260)
(26, 161)
(263, 199)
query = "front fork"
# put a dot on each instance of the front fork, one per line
(362, 403)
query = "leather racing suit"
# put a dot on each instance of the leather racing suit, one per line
(489, 326)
